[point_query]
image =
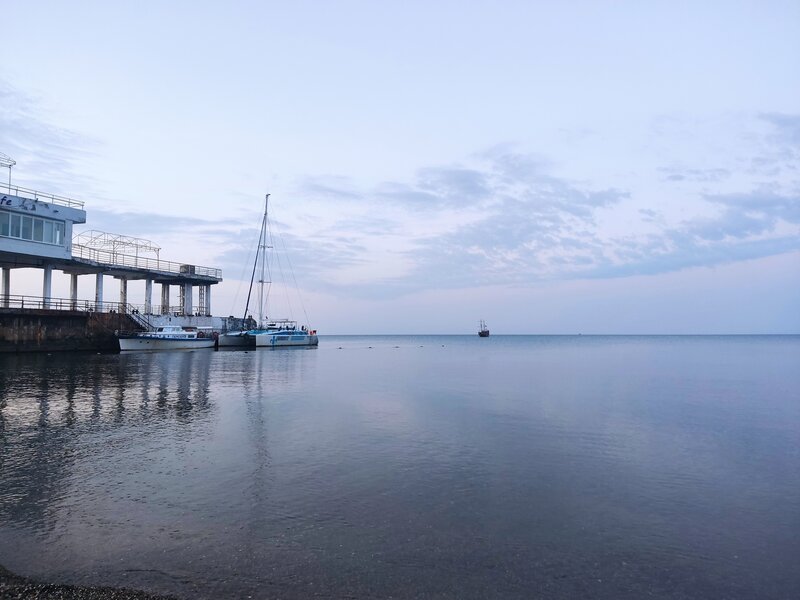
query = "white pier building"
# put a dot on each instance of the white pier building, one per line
(36, 232)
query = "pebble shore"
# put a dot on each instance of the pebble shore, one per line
(14, 587)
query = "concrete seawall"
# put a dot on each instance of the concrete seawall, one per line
(34, 330)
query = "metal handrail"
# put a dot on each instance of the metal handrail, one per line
(116, 259)
(142, 320)
(41, 196)
(39, 302)
(136, 311)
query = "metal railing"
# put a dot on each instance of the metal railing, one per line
(41, 196)
(136, 311)
(142, 320)
(41, 303)
(115, 259)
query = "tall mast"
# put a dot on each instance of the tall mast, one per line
(263, 249)
(262, 245)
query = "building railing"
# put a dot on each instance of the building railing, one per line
(136, 311)
(115, 259)
(40, 196)
(38, 302)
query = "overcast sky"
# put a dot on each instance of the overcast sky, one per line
(551, 167)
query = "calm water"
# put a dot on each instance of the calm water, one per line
(375, 467)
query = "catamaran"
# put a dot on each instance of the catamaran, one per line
(269, 333)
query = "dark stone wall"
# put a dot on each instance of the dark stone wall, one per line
(28, 330)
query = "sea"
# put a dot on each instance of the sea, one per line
(410, 467)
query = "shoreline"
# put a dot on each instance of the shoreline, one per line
(16, 587)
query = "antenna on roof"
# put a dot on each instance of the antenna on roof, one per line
(7, 161)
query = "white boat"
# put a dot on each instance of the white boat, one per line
(274, 333)
(284, 333)
(168, 337)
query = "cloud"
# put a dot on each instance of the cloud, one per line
(334, 188)
(505, 218)
(764, 203)
(779, 150)
(786, 128)
(747, 228)
(500, 219)
(47, 156)
(142, 224)
(696, 175)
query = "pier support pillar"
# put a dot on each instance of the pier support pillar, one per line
(207, 305)
(164, 298)
(47, 285)
(6, 286)
(123, 295)
(148, 296)
(98, 292)
(186, 298)
(73, 291)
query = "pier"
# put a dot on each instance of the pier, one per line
(36, 232)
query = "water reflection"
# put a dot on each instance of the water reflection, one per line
(50, 404)
(425, 467)
(58, 391)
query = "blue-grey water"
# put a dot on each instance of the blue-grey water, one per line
(435, 467)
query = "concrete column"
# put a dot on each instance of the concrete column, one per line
(6, 286)
(73, 291)
(164, 298)
(47, 285)
(187, 298)
(208, 300)
(98, 292)
(123, 295)
(148, 296)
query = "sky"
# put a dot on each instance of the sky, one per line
(550, 167)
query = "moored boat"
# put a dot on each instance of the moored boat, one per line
(168, 337)
(236, 339)
(278, 334)
(267, 333)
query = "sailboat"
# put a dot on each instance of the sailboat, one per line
(483, 331)
(268, 333)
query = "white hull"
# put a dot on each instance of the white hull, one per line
(285, 339)
(154, 343)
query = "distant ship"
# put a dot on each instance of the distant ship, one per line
(483, 331)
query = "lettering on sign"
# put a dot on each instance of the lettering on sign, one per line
(23, 203)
